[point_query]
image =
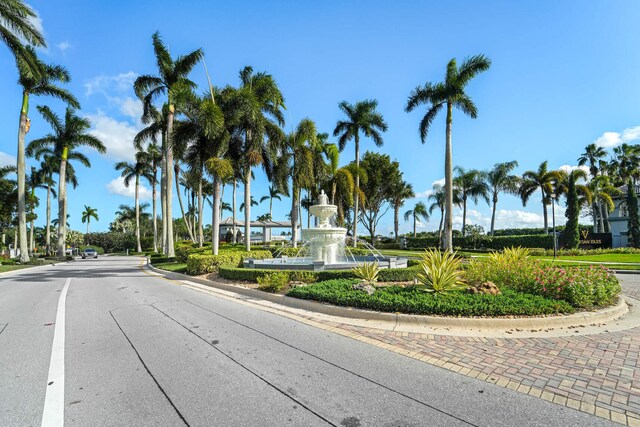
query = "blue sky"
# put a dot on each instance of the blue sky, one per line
(564, 74)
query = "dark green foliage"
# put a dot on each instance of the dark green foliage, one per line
(486, 242)
(572, 233)
(304, 251)
(98, 249)
(198, 264)
(8, 262)
(112, 241)
(251, 274)
(241, 274)
(412, 300)
(633, 225)
(273, 282)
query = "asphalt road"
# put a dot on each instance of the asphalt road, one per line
(138, 349)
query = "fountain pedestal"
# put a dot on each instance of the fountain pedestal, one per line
(325, 241)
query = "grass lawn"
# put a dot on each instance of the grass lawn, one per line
(418, 252)
(5, 268)
(176, 267)
(615, 258)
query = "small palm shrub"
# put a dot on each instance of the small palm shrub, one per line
(367, 271)
(440, 272)
(273, 282)
(510, 255)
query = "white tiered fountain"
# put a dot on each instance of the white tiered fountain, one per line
(325, 241)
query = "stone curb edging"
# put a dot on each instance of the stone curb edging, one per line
(570, 321)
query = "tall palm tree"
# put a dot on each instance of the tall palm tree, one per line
(602, 193)
(626, 163)
(298, 159)
(36, 78)
(173, 82)
(153, 157)
(134, 171)
(252, 201)
(499, 179)
(156, 124)
(68, 134)
(541, 179)
(362, 118)
(89, 213)
(49, 166)
(16, 25)
(257, 121)
(419, 211)
(274, 193)
(472, 186)
(449, 94)
(402, 192)
(35, 180)
(592, 156)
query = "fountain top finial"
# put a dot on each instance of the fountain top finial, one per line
(323, 199)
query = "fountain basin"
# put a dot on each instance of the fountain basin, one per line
(307, 263)
(324, 243)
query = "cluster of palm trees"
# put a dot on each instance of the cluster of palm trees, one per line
(56, 150)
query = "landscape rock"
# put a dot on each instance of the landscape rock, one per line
(365, 287)
(485, 288)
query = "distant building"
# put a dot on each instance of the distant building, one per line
(619, 218)
(226, 225)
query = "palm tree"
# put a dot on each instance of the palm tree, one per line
(602, 192)
(153, 158)
(131, 171)
(252, 201)
(55, 222)
(172, 81)
(626, 163)
(35, 180)
(361, 118)
(543, 180)
(499, 179)
(419, 211)
(274, 193)
(592, 156)
(298, 159)
(449, 93)
(472, 186)
(257, 119)
(68, 135)
(89, 213)
(16, 25)
(402, 192)
(36, 78)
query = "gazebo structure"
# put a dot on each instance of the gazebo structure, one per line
(226, 225)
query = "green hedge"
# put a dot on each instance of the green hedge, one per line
(198, 264)
(487, 242)
(303, 251)
(252, 274)
(412, 300)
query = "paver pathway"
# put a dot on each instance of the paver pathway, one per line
(597, 374)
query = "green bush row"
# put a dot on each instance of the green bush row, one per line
(198, 264)
(303, 251)
(412, 300)
(578, 252)
(486, 242)
(252, 274)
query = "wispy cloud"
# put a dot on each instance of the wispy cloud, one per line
(116, 186)
(116, 135)
(429, 192)
(7, 159)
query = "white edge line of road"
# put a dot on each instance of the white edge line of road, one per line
(53, 413)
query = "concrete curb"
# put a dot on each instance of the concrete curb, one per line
(571, 321)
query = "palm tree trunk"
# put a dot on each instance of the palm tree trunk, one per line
(493, 214)
(601, 217)
(544, 212)
(22, 212)
(396, 221)
(31, 238)
(308, 210)
(215, 223)
(440, 228)
(235, 231)
(171, 252)
(185, 218)
(47, 234)
(153, 203)
(200, 211)
(357, 189)
(295, 201)
(62, 207)
(247, 208)
(464, 215)
(163, 203)
(271, 208)
(448, 184)
(334, 187)
(415, 226)
(138, 214)
(607, 224)
(596, 215)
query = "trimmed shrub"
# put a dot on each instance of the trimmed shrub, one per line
(251, 274)
(242, 274)
(8, 262)
(302, 276)
(273, 282)
(198, 264)
(412, 300)
(486, 242)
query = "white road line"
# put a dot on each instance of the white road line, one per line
(53, 414)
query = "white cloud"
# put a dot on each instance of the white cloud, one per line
(569, 169)
(429, 192)
(115, 135)
(63, 46)
(117, 186)
(506, 218)
(131, 107)
(36, 21)
(7, 160)
(612, 139)
(103, 84)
